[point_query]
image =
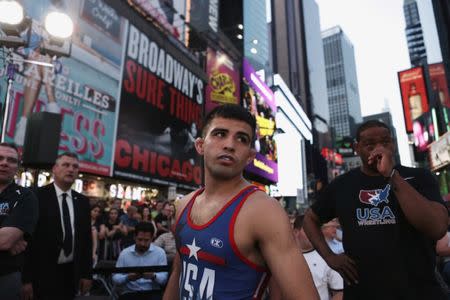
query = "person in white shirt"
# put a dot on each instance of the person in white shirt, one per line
(329, 231)
(143, 253)
(328, 282)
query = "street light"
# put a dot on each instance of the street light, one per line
(11, 12)
(12, 24)
(59, 25)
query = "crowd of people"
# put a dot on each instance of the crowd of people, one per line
(113, 226)
(51, 238)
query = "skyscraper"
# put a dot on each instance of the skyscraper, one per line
(414, 33)
(289, 48)
(342, 82)
(291, 88)
(441, 10)
(316, 64)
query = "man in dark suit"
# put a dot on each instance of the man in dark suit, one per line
(59, 260)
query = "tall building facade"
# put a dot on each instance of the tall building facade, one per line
(258, 36)
(441, 10)
(316, 65)
(289, 49)
(292, 92)
(342, 82)
(414, 33)
(318, 97)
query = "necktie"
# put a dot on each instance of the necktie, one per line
(67, 244)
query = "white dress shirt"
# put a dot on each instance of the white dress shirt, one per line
(62, 257)
(324, 277)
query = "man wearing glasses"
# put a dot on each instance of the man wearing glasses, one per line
(18, 217)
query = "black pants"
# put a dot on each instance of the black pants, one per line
(10, 285)
(63, 288)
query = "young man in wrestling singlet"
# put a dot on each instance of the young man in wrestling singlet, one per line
(231, 237)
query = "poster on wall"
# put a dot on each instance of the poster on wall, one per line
(83, 88)
(259, 99)
(414, 96)
(160, 113)
(223, 80)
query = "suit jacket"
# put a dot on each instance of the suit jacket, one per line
(47, 242)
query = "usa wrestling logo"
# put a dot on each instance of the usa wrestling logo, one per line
(375, 215)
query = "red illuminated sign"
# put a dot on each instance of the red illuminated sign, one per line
(414, 96)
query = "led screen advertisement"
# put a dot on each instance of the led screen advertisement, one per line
(259, 99)
(414, 96)
(223, 80)
(424, 131)
(439, 90)
(168, 14)
(83, 88)
(160, 112)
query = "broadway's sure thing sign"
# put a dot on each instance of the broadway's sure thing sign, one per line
(160, 112)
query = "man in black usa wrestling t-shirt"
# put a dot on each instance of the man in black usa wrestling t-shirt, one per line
(391, 218)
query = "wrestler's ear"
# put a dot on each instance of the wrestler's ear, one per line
(199, 142)
(252, 155)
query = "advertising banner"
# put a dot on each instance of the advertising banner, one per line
(345, 146)
(160, 113)
(259, 99)
(83, 88)
(223, 80)
(331, 155)
(424, 131)
(440, 152)
(414, 96)
(439, 90)
(166, 13)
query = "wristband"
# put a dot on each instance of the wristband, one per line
(392, 174)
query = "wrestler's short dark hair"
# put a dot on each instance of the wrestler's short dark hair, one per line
(370, 124)
(230, 111)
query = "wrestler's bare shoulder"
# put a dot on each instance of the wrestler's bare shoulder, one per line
(261, 203)
(181, 203)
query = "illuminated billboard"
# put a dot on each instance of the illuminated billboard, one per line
(439, 89)
(414, 96)
(259, 99)
(223, 80)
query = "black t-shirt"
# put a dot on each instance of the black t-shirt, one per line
(391, 255)
(18, 208)
(118, 234)
(163, 220)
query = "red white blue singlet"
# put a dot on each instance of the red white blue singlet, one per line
(212, 267)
